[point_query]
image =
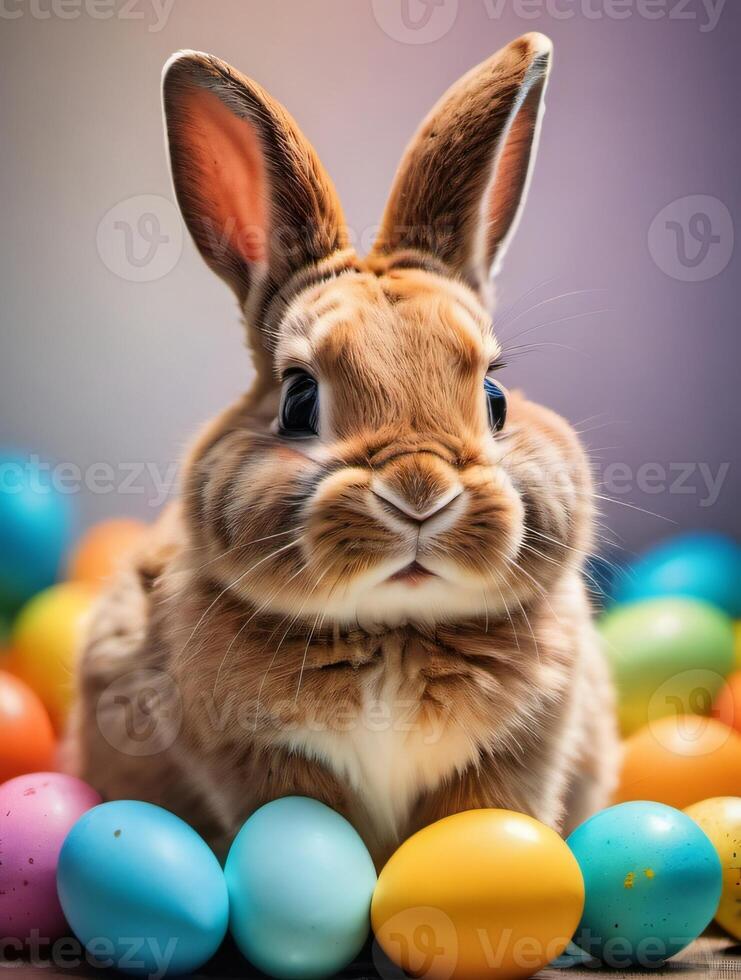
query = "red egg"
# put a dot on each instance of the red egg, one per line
(27, 742)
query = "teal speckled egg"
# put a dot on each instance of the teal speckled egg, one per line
(141, 890)
(653, 881)
(300, 884)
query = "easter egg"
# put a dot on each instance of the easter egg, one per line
(679, 761)
(701, 566)
(300, 883)
(36, 814)
(737, 642)
(484, 893)
(727, 707)
(667, 656)
(35, 528)
(652, 880)
(140, 886)
(46, 640)
(27, 742)
(720, 818)
(103, 549)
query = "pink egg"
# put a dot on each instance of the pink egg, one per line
(36, 813)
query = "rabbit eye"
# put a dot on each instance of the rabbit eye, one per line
(299, 406)
(496, 402)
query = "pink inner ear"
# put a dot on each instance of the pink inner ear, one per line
(511, 174)
(231, 180)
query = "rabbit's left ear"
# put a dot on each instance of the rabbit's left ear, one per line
(253, 193)
(463, 178)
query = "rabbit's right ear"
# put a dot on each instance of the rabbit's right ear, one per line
(463, 178)
(251, 189)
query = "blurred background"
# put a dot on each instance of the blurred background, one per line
(618, 296)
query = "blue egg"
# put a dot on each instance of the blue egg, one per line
(700, 566)
(141, 890)
(35, 529)
(652, 879)
(300, 884)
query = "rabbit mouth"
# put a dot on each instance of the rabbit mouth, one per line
(412, 574)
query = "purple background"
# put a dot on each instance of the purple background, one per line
(641, 113)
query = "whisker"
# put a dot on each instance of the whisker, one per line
(227, 588)
(554, 299)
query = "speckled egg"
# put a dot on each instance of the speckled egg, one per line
(720, 818)
(652, 879)
(36, 813)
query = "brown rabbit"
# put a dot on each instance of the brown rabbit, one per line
(370, 592)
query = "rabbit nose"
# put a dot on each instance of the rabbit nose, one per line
(417, 486)
(409, 511)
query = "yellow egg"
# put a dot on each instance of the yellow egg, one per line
(720, 818)
(45, 644)
(485, 893)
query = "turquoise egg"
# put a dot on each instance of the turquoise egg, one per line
(36, 522)
(141, 890)
(300, 885)
(652, 879)
(699, 566)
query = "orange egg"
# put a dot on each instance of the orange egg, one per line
(727, 705)
(101, 551)
(679, 761)
(27, 742)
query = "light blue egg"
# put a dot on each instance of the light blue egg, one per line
(652, 880)
(700, 566)
(35, 528)
(141, 890)
(300, 884)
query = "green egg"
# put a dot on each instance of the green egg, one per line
(668, 657)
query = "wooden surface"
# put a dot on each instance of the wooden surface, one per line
(713, 957)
